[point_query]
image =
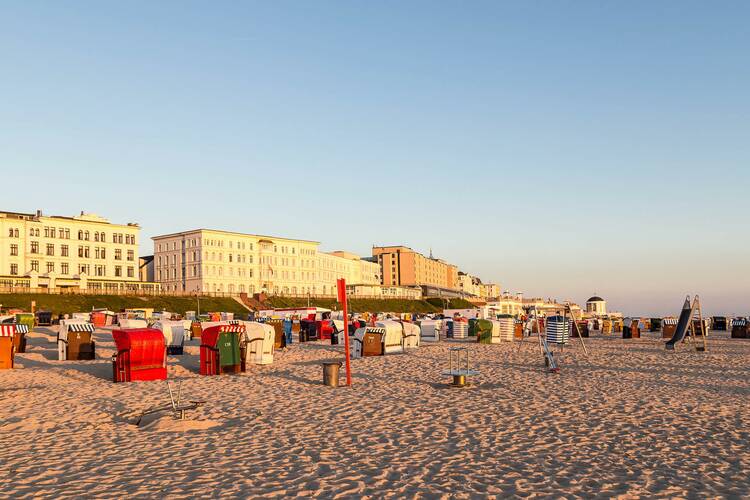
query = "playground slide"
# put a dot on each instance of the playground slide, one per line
(682, 325)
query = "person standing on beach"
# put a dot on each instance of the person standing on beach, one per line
(287, 325)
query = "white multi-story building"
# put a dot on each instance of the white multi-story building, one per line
(207, 260)
(85, 251)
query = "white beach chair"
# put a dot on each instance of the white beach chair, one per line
(412, 335)
(430, 330)
(259, 340)
(126, 323)
(174, 335)
(393, 340)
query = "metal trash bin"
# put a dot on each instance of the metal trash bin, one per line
(331, 373)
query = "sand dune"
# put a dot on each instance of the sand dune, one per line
(630, 419)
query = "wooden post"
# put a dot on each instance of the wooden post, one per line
(341, 288)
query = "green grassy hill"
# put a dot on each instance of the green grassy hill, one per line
(62, 304)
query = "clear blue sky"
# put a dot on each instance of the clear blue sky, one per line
(559, 148)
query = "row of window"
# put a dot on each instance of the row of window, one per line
(83, 252)
(82, 268)
(64, 233)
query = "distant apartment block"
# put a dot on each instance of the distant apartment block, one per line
(402, 266)
(85, 251)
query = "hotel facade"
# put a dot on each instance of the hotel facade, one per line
(85, 252)
(402, 266)
(208, 260)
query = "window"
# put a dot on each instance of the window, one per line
(14, 269)
(104, 253)
(96, 252)
(35, 265)
(131, 272)
(118, 271)
(34, 247)
(64, 268)
(100, 270)
(64, 250)
(50, 249)
(10, 233)
(67, 234)
(118, 254)
(50, 267)
(230, 257)
(83, 268)
(131, 255)
(102, 237)
(86, 235)
(14, 249)
(80, 234)
(96, 236)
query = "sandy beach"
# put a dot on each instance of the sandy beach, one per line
(628, 420)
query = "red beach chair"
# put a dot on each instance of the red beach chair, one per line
(141, 355)
(324, 328)
(221, 349)
(7, 349)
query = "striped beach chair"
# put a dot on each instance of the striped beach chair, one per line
(74, 340)
(507, 328)
(557, 330)
(7, 351)
(740, 328)
(19, 339)
(668, 327)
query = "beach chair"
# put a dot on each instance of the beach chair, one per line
(393, 339)
(719, 323)
(195, 330)
(324, 329)
(141, 355)
(740, 327)
(506, 328)
(429, 330)
(460, 328)
(44, 318)
(174, 336)
(278, 329)
(557, 330)
(74, 340)
(367, 341)
(411, 335)
(132, 323)
(583, 329)
(220, 349)
(7, 351)
(484, 330)
(655, 325)
(259, 342)
(19, 339)
(669, 326)
(630, 329)
(308, 330)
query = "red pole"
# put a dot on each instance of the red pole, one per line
(342, 298)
